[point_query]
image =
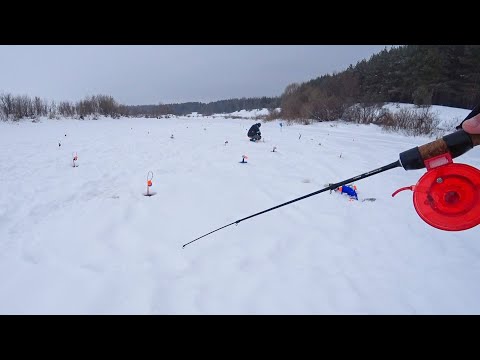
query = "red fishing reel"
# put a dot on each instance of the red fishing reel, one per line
(447, 196)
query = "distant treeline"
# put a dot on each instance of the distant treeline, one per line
(446, 75)
(215, 107)
(15, 107)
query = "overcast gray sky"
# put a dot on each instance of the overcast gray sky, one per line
(136, 75)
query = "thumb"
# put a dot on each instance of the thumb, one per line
(472, 125)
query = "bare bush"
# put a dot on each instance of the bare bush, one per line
(416, 122)
(97, 105)
(123, 111)
(322, 107)
(107, 106)
(52, 110)
(6, 106)
(66, 109)
(19, 107)
(273, 114)
(40, 107)
(87, 106)
(364, 113)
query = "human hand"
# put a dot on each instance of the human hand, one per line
(472, 126)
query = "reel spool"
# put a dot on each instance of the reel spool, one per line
(447, 196)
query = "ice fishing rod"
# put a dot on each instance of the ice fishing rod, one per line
(446, 197)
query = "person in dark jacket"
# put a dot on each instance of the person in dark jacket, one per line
(254, 133)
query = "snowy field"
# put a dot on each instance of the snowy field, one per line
(85, 240)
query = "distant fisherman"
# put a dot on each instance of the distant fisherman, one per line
(254, 133)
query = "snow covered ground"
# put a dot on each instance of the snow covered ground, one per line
(86, 241)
